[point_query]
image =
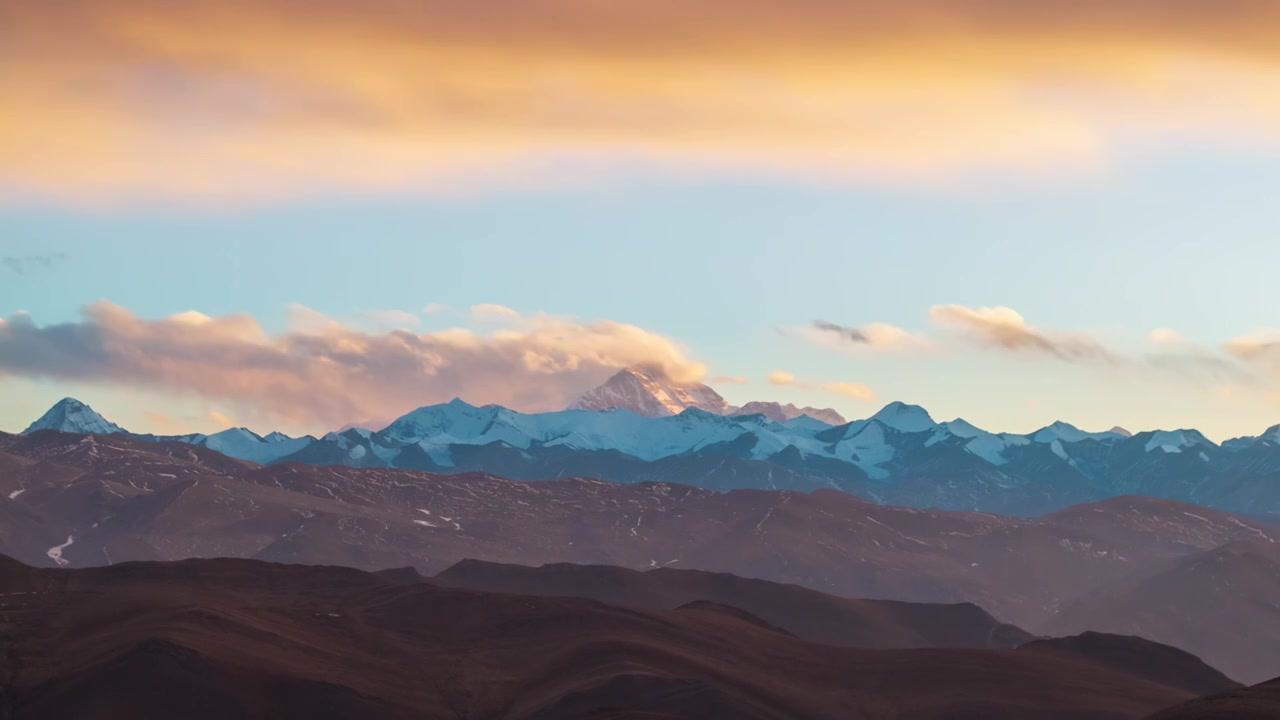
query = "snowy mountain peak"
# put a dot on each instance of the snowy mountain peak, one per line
(648, 391)
(904, 418)
(1117, 430)
(444, 419)
(72, 416)
(964, 429)
(1175, 441)
(1068, 433)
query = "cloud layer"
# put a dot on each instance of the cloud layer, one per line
(321, 374)
(256, 98)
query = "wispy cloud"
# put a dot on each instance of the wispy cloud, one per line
(1005, 328)
(856, 391)
(262, 98)
(728, 380)
(870, 337)
(22, 264)
(321, 373)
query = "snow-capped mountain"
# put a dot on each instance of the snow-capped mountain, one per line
(648, 391)
(778, 412)
(72, 416)
(1269, 438)
(899, 455)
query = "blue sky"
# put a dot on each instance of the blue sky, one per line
(237, 211)
(721, 266)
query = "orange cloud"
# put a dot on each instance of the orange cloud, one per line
(782, 378)
(857, 391)
(219, 99)
(1262, 347)
(322, 374)
(728, 380)
(221, 420)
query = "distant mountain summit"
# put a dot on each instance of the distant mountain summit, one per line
(648, 391)
(72, 416)
(780, 413)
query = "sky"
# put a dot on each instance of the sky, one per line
(260, 214)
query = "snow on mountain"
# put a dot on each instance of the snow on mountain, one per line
(963, 428)
(986, 445)
(244, 444)
(72, 416)
(868, 448)
(904, 418)
(806, 424)
(436, 427)
(648, 391)
(780, 413)
(1068, 433)
(1269, 438)
(1174, 441)
(700, 447)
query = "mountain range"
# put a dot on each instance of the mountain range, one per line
(76, 501)
(900, 455)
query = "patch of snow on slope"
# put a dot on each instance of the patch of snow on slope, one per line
(988, 447)
(868, 449)
(55, 552)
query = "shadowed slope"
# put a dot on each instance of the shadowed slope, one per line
(250, 639)
(807, 613)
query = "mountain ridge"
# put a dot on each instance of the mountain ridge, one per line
(899, 455)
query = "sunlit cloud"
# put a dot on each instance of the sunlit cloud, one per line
(321, 373)
(220, 419)
(489, 312)
(728, 380)
(1005, 328)
(856, 391)
(1165, 336)
(782, 378)
(215, 100)
(1262, 348)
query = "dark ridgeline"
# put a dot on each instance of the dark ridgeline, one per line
(205, 639)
